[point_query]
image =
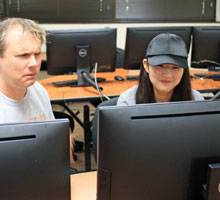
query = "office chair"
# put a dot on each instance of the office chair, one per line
(111, 102)
(60, 115)
(78, 145)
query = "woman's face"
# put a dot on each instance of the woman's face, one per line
(164, 78)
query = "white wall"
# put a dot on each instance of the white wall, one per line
(217, 10)
(121, 27)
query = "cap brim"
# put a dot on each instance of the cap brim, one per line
(168, 59)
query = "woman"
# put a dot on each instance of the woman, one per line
(164, 74)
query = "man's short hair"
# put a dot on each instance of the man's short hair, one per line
(27, 25)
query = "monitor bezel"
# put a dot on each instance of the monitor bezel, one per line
(100, 41)
(122, 171)
(205, 47)
(35, 160)
(138, 38)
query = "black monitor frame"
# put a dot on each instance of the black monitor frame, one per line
(78, 50)
(34, 159)
(158, 151)
(137, 40)
(206, 47)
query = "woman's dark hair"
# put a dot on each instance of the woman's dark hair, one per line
(145, 93)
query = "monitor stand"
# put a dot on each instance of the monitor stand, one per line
(211, 190)
(73, 83)
(83, 70)
(82, 63)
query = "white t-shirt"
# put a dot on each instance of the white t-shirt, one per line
(128, 97)
(34, 106)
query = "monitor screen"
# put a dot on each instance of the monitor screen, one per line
(34, 159)
(157, 151)
(206, 48)
(77, 51)
(137, 40)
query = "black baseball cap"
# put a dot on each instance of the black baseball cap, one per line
(167, 48)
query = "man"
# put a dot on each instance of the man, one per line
(21, 97)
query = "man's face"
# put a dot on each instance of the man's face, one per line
(21, 60)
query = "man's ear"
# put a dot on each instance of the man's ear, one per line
(146, 65)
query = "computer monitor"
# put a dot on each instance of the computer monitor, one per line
(158, 151)
(206, 48)
(137, 40)
(34, 159)
(78, 51)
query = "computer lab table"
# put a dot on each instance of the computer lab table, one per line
(83, 186)
(111, 88)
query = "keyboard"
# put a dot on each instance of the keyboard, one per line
(214, 68)
(73, 83)
(130, 78)
(65, 83)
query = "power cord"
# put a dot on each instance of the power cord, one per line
(206, 61)
(97, 87)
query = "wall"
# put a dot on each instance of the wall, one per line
(121, 28)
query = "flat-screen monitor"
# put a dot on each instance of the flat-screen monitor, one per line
(34, 159)
(78, 51)
(158, 151)
(206, 48)
(137, 40)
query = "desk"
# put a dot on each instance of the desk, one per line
(111, 88)
(205, 85)
(83, 186)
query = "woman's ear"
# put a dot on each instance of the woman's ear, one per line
(146, 65)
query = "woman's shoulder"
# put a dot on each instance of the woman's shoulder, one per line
(197, 95)
(130, 91)
(128, 96)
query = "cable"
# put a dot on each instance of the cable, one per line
(90, 81)
(205, 61)
(96, 83)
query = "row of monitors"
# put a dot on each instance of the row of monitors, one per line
(137, 159)
(70, 51)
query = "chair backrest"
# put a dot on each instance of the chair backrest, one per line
(110, 102)
(60, 115)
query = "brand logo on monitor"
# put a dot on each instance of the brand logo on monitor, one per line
(82, 53)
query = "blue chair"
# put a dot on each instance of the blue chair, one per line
(110, 102)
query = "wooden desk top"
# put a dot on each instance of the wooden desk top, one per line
(111, 87)
(83, 186)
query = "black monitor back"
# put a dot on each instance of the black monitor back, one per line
(94, 45)
(34, 159)
(137, 40)
(157, 151)
(206, 47)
